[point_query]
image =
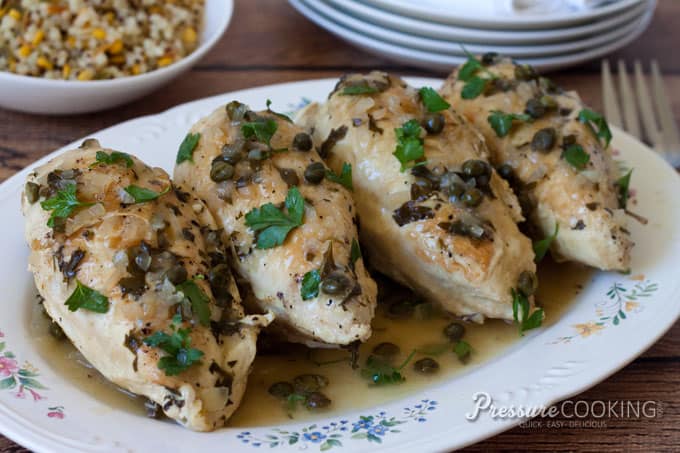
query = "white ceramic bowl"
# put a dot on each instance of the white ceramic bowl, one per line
(65, 97)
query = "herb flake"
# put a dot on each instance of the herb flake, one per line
(541, 247)
(409, 144)
(143, 195)
(355, 252)
(432, 101)
(622, 189)
(200, 303)
(310, 285)
(272, 225)
(380, 372)
(576, 156)
(62, 204)
(502, 122)
(262, 130)
(187, 147)
(87, 299)
(178, 347)
(520, 313)
(344, 178)
(114, 158)
(597, 125)
(280, 115)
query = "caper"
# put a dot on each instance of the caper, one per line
(433, 123)
(177, 274)
(257, 154)
(56, 331)
(231, 153)
(289, 176)
(456, 191)
(568, 140)
(221, 171)
(220, 279)
(426, 366)
(386, 350)
(315, 172)
(306, 383)
(472, 197)
(335, 283)
(525, 72)
(489, 58)
(527, 283)
(236, 110)
(506, 172)
(302, 141)
(317, 400)
(544, 139)
(548, 102)
(474, 167)
(454, 331)
(420, 187)
(482, 181)
(281, 389)
(143, 259)
(534, 108)
(32, 192)
(547, 85)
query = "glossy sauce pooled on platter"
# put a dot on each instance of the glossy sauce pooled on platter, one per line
(420, 330)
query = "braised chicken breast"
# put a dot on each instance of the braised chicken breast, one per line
(292, 223)
(135, 272)
(555, 152)
(434, 214)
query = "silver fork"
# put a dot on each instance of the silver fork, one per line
(658, 123)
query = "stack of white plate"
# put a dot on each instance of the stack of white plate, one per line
(435, 34)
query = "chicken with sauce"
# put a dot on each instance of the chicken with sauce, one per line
(434, 214)
(135, 272)
(291, 221)
(555, 151)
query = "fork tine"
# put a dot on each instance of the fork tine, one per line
(611, 104)
(628, 100)
(646, 108)
(669, 129)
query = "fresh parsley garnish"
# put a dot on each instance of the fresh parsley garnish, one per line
(178, 347)
(187, 147)
(597, 125)
(409, 144)
(143, 195)
(310, 285)
(200, 303)
(345, 177)
(541, 247)
(62, 204)
(520, 312)
(381, 372)
(432, 101)
(622, 192)
(502, 122)
(462, 349)
(355, 252)
(262, 129)
(87, 299)
(576, 156)
(469, 73)
(272, 225)
(280, 115)
(113, 158)
(357, 89)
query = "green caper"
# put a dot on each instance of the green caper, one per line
(489, 58)
(547, 85)
(454, 331)
(534, 108)
(420, 187)
(281, 389)
(527, 283)
(433, 123)
(306, 383)
(472, 197)
(386, 350)
(236, 110)
(315, 172)
(231, 153)
(568, 140)
(482, 181)
(317, 400)
(525, 72)
(56, 331)
(32, 191)
(335, 283)
(302, 141)
(549, 102)
(257, 154)
(289, 176)
(221, 171)
(426, 366)
(506, 172)
(177, 274)
(456, 191)
(544, 139)
(475, 167)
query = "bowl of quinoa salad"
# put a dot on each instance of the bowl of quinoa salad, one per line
(77, 56)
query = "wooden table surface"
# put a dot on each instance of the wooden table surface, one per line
(269, 42)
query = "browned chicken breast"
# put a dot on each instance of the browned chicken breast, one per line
(292, 222)
(135, 273)
(434, 215)
(555, 152)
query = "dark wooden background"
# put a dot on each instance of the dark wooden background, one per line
(269, 42)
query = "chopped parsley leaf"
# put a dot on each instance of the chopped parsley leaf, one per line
(280, 115)
(178, 347)
(622, 189)
(310, 285)
(432, 101)
(576, 156)
(380, 372)
(262, 129)
(597, 125)
(200, 303)
(187, 147)
(272, 225)
(355, 252)
(113, 158)
(541, 247)
(409, 144)
(62, 204)
(87, 299)
(502, 122)
(345, 177)
(143, 195)
(520, 312)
